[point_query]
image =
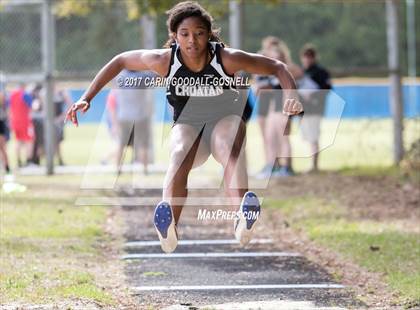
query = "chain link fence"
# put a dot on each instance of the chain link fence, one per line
(82, 44)
(20, 38)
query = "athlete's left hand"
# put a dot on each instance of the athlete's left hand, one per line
(80, 105)
(292, 107)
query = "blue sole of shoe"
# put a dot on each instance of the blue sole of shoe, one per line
(251, 209)
(163, 218)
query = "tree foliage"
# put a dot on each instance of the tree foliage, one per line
(348, 34)
(134, 8)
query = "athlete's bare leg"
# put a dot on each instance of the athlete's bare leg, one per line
(228, 148)
(187, 151)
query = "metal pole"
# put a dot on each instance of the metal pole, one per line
(148, 28)
(411, 53)
(395, 89)
(47, 64)
(236, 9)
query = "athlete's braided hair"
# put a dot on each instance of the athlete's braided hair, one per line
(189, 9)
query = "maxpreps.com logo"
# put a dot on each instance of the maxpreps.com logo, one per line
(215, 215)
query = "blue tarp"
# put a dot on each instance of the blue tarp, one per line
(361, 101)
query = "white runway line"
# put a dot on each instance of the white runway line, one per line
(210, 255)
(134, 244)
(152, 201)
(236, 287)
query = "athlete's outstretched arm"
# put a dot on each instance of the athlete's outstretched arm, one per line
(237, 60)
(138, 60)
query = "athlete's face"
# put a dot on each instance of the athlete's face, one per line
(192, 36)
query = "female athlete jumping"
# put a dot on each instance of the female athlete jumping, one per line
(208, 118)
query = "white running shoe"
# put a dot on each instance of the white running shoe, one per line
(9, 178)
(165, 226)
(249, 212)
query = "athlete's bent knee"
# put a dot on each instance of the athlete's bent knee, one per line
(180, 153)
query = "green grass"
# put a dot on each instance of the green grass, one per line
(82, 285)
(42, 287)
(154, 273)
(45, 239)
(348, 143)
(46, 243)
(45, 218)
(396, 255)
(371, 171)
(355, 143)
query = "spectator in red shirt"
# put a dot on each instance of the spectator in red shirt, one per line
(21, 123)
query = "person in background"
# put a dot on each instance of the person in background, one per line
(270, 117)
(113, 127)
(261, 88)
(134, 107)
(20, 105)
(61, 103)
(38, 122)
(4, 130)
(314, 90)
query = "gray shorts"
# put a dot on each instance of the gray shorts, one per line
(137, 132)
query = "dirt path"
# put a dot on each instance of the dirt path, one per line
(279, 266)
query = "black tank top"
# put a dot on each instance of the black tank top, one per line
(200, 97)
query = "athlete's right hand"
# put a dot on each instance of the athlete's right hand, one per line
(80, 105)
